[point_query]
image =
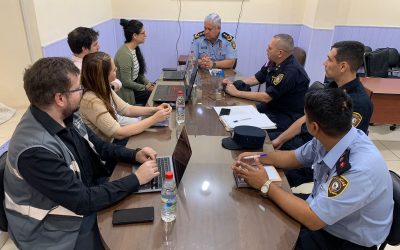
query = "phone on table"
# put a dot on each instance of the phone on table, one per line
(224, 111)
(133, 215)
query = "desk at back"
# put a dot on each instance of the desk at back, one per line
(211, 212)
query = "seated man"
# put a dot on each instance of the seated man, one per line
(54, 165)
(286, 84)
(351, 205)
(340, 66)
(83, 41)
(212, 48)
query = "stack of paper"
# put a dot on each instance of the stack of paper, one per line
(272, 173)
(244, 115)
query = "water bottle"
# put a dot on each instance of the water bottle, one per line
(180, 108)
(168, 198)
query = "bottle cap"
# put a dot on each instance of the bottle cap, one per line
(180, 93)
(169, 175)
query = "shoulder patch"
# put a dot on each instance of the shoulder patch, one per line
(357, 118)
(229, 38)
(277, 79)
(343, 164)
(198, 35)
(337, 186)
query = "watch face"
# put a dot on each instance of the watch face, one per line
(264, 189)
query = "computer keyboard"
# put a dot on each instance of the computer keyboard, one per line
(164, 166)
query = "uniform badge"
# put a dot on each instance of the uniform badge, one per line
(343, 164)
(200, 34)
(357, 118)
(337, 186)
(277, 79)
(233, 44)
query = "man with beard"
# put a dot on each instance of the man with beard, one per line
(53, 163)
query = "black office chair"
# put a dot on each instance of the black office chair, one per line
(393, 238)
(376, 63)
(393, 62)
(3, 218)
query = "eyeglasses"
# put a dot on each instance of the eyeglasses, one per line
(81, 88)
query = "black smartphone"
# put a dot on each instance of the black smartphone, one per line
(224, 111)
(133, 215)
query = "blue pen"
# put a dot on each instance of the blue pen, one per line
(241, 119)
(254, 156)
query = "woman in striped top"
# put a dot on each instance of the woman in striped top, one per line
(136, 88)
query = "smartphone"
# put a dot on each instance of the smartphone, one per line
(133, 215)
(224, 111)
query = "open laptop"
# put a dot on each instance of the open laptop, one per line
(177, 75)
(169, 93)
(176, 163)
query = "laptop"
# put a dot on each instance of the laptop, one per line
(169, 93)
(177, 75)
(176, 163)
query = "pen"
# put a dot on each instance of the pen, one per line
(241, 119)
(254, 156)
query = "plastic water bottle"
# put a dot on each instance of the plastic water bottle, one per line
(180, 108)
(168, 198)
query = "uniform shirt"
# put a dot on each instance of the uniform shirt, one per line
(357, 205)
(223, 48)
(362, 105)
(287, 85)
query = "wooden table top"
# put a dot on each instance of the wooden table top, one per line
(211, 212)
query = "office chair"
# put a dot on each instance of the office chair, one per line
(3, 218)
(393, 238)
(376, 63)
(393, 61)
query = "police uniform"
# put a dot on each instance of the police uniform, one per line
(353, 192)
(223, 48)
(362, 105)
(286, 84)
(362, 112)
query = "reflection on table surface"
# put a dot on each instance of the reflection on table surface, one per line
(211, 212)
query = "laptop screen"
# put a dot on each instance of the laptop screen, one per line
(181, 156)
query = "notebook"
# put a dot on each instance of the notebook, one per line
(169, 93)
(273, 175)
(176, 163)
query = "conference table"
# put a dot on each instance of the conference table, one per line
(385, 96)
(211, 212)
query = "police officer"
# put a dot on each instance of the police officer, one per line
(212, 48)
(351, 204)
(286, 84)
(340, 66)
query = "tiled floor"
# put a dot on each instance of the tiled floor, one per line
(387, 141)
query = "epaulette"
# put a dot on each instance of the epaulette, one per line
(343, 164)
(227, 36)
(198, 35)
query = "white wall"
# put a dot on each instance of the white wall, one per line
(14, 53)
(55, 19)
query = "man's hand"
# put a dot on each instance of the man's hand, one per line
(226, 81)
(146, 154)
(277, 143)
(147, 171)
(231, 89)
(149, 86)
(255, 176)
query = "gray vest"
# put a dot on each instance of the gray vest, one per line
(34, 221)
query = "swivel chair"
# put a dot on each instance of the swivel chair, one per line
(376, 63)
(393, 238)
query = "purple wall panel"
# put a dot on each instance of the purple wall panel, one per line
(106, 39)
(375, 37)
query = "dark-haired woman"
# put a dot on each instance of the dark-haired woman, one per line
(136, 88)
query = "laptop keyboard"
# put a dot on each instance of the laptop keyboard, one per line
(164, 166)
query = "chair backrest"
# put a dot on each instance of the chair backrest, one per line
(393, 57)
(376, 63)
(394, 235)
(3, 218)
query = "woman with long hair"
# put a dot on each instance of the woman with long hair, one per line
(100, 104)
(131, 67)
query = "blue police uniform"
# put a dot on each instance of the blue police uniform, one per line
(223, 48)
(353, 192)
(362, 112)
(286, 84)
(362, 105)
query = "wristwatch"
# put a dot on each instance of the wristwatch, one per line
(214, 64)
(265, 188)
